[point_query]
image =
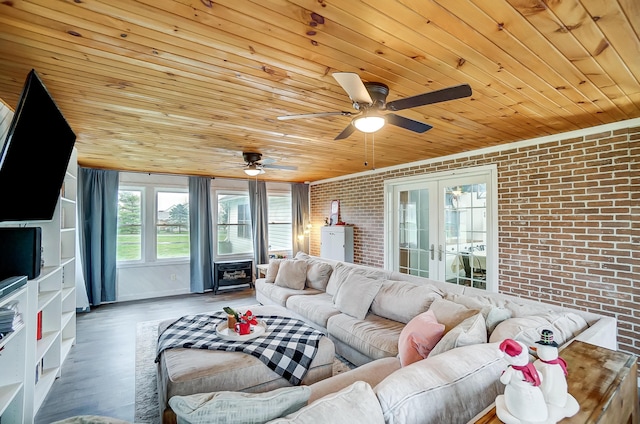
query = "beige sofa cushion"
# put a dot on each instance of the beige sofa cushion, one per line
(565, 326)
(279, 295)
(354, 297)
(318, 274)
(469, 332)
(238, 407)
(342, 271)
(466, 381)
(493, 310)
(272, 270)
(354, 404)
(292, 274)
(402, 301)
(450, 313)
(374, 336)
(317, 308)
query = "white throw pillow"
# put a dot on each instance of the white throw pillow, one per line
(272, 271)
(318, 274)
(354, 404)
(471, 331)
(238, 407)
(292, 274)
(354, 297)
(450, 313)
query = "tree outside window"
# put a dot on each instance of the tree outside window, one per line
(172, 225)
(129, 242)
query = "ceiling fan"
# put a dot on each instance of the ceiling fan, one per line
(253, 165)
(370, 98)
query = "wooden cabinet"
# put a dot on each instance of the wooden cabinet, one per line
(336, 242)
(53, 309)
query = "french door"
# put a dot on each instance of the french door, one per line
(442, 227)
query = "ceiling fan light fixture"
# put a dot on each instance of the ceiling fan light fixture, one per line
(252, 170)
(369, 123)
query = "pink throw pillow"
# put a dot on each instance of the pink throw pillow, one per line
(418, 337)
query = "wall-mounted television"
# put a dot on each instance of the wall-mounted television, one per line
(34, 156)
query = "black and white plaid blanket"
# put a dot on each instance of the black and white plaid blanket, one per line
(288, 346)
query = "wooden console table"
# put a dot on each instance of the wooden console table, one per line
(603, 381)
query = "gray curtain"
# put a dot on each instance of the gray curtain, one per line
(300, 216)
(200, 234)
(259, 222)
(98, 226)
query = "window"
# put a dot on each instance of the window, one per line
(172, 225)
(280, 232)
(244, 221)
(129, 243)
(234, 224)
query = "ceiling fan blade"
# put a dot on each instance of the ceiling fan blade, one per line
(353, 85)
(406, 123)
(283, 167)
(314, 115)
(450, 93)
(346, 132)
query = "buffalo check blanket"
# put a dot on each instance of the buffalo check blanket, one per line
(288, 346)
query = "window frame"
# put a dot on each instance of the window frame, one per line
(143, 243)
(156, 191)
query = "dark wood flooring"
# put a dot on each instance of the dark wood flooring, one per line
(98, 376)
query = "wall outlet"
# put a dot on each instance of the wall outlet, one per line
(173, 277)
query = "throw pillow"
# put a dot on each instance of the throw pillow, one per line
(302, 255)
(354, 297)
(318, 274)
(450, 313)
(419, 337)
(354, 404)
(292, 274)
(471, 331)
(338, 276)
(272, 271)
(239, 407)
(402, 300)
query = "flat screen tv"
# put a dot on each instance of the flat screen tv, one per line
(34, 156)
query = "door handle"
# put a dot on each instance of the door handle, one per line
(439, 252)
(432, 250)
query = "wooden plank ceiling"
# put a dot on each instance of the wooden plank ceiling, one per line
(185, 86)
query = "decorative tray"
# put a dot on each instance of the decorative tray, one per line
(226, 333)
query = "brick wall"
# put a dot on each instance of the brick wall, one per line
(568, 221)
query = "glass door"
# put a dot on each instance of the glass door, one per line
(414, 247)
(439, 228)
(464, 231)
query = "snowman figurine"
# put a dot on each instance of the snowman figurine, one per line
(553, 370)
(522, 402)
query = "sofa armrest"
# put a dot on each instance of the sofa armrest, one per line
(603, 332)
(373, 373)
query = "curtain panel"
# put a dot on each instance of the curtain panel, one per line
(258, 204)
(300, 217)
(98, 226)
(200, 234)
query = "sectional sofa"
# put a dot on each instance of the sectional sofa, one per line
(364, 311)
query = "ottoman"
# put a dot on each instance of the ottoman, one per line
(190, 371)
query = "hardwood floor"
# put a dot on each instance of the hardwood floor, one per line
(98, 376)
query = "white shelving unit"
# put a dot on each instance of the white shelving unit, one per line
(15, 401)
(54, 297)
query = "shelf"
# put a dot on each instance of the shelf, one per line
(11, 335)
(43, 386)
(66, 292)
(66, 317)
(7, 394)
(66, 346)
(45, 298)
(44, 344)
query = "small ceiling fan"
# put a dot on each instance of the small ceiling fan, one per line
(254, 166)
(370, 98)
